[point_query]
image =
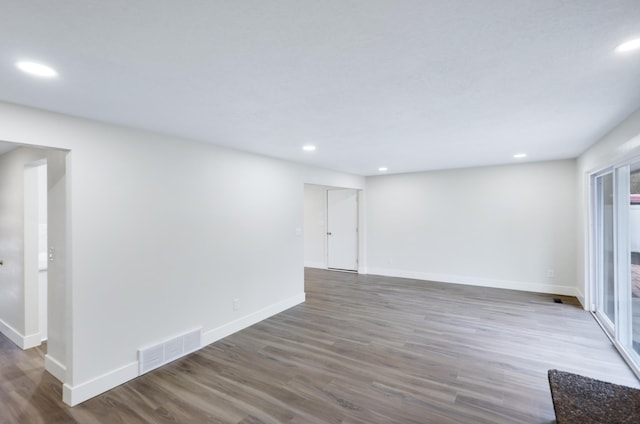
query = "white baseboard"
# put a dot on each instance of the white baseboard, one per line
(225, 330)
(560, 289)
(22, 341)
(580, 297)
(73, 395)
(319, 265)
(311, 264)
(11, 333)
(32, 340)
(55, 368)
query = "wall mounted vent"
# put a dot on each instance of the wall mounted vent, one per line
(155, 356)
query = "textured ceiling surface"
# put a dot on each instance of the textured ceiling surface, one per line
(412, 85)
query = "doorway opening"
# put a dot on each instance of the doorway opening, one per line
(35, 292)
(332, 228)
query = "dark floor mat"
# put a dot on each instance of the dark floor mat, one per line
(583, 400)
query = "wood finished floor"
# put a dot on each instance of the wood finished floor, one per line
(362, 349)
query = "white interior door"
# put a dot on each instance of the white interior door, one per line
(342, 229)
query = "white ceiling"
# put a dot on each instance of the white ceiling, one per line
(413, 85)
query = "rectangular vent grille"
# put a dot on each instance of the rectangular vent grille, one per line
(160, 354)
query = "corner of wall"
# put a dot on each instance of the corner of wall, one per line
(73, 395)
(55, 367)
(313, 264)
(580, 296)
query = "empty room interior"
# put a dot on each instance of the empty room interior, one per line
(318, 212)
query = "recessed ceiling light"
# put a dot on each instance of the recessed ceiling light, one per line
(37, 69)
(383, 169)
(629, 45)
(520, 155)
(308, 148)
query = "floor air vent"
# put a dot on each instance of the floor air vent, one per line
(157, 355)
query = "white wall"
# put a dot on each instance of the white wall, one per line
(164, 234)
(59, 276)
(315, 226)
(502, 226)
(622, 143)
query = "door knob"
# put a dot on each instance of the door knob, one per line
(328, 234)
(1, 262)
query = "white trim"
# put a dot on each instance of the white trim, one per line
(358, 227)
(55, 368)
(11, 333)
(590, 252)
(313, 264)
(225, 330)
(633, 365)
(580, 296)
(32, 340)
(631, 362)
(73, 395)
(362, 232)
(483, 282)
(22, 341)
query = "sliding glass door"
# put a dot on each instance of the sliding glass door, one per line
(616, 241)
(633, 235)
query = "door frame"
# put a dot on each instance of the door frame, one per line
(58, 360)
(357, 258)
(596, 242)
(32, 295)
(362, 227)
(620, 332)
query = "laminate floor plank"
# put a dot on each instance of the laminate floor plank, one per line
(361, 349)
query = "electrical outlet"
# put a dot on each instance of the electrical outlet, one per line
(236, 304)
(551, 273)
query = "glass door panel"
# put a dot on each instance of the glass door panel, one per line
(605, 247)
(616, 257)
(634, 259)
